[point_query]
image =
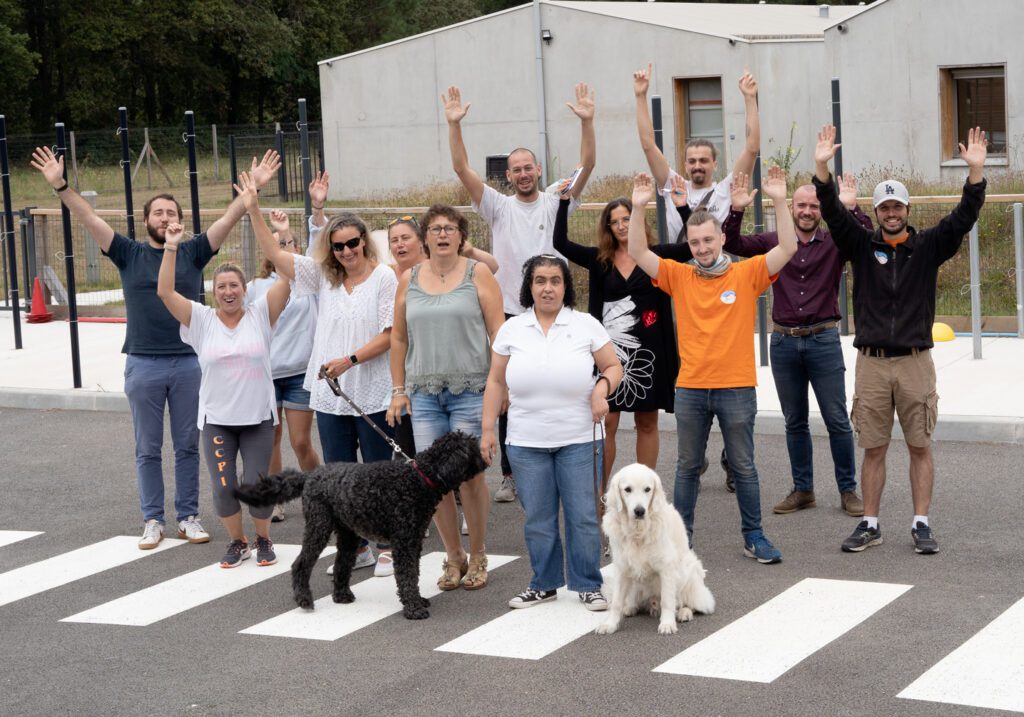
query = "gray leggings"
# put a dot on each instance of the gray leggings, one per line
(221, 447)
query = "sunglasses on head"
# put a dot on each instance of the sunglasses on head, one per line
(351, 243)
(406, 219)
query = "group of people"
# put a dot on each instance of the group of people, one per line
(450, 337)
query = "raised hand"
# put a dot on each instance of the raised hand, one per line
(173, 235)
(976, 150)
(52, 168)
(642, 81)
(748, 85)
(826, 147)
(742, 197)
(847, 190)
(318, 189)
(584, 107)
(454, 110)
(279, 220)
(267, 167)
(248, 191)
(775, 185)
(643, 190)
(679, 194)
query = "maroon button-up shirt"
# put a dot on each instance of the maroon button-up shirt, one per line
(807, 291)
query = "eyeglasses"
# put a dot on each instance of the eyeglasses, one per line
(284, 243)
(351, 243)
(438, 230)
(406, 219)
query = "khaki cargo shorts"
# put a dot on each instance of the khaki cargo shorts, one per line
(904, 384)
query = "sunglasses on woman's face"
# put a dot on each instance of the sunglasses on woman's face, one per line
(351, 244)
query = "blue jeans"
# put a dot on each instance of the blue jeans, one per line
(434, 415)
(545, 476)
(150, 383)
(818, 360)
(290, 394)
(735, 409)
(342, 436)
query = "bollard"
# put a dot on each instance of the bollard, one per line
(126, 167)
(8, 230)
(975, 291)
(92, 249)
(660, 200)
(69, 264)
(762, 300)
(837, 121)
(193, 184)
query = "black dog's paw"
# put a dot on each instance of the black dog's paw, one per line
(424, 602)
(343, 596)
(415, 613)
(304, 600)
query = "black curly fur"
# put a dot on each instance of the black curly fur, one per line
(387, 501)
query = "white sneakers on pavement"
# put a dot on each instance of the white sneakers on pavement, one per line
(191, 530)
(152, 534)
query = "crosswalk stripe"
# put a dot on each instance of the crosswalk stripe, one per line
(185, 592)
(771, 639)
(13, 536)
(62, 569)
(986, 671)
(375, 600)
(530, 633)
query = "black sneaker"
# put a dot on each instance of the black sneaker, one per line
(265, 554)
(924, 541)
(593, 600)
(862, 537)
(531, 597)
(238, 550)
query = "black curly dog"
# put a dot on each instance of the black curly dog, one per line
(390, 502)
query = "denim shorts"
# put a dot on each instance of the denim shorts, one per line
(290, 393)
(433, 415)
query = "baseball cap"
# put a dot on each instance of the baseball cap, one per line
(891, 189)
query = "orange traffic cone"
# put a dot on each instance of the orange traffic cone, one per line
(38, 314)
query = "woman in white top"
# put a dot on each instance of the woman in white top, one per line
(356, 295)
(237, 410)
(545, 359)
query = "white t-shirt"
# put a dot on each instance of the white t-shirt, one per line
(236, 388)
(293, 333)
(346, 322)
(519, 230)
(550, 378)
(719, 204)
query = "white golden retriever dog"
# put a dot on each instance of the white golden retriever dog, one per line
(654, 566)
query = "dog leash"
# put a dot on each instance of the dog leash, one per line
(336, 388)
(599, 484)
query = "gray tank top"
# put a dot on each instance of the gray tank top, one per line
(448, 342)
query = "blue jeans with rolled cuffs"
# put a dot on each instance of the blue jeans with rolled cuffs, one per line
(816, 360)
(735, 409)
(435, 414)
(545, 478)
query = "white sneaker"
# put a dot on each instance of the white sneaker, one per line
(152, 534)
(191, 530)
(385, 565)
(364, 559)
(278, 514)
(465, 525)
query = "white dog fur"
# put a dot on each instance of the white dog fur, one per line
(655, 569)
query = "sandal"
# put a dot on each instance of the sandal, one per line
(476, 578)
(452, 576)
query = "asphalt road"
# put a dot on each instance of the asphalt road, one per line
(71, 476)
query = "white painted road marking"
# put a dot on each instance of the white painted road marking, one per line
(66, 568)
(175, 596)
(771, 639)
(13, 536)
(986, 671)
(531, 633)
(375, 600)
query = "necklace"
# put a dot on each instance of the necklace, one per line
(443, 275)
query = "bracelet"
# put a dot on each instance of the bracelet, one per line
(170, 248)
(316, 208)
(396, 394)
(606, 380)
(62, 188)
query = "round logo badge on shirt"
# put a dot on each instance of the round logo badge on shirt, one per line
(882, 257)
(728, 297)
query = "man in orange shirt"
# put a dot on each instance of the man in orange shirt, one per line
(714, 301)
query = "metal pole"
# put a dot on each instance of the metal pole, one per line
(216, 154)
(92, 249)
(126, 166)
(28, 252)
(193, 183)
(659, 140)
(975, 292)
(542, 120)
(146, 150)
(307, 175)
(69, 264)
(837, 120)
(233, 161)
(282, 175)
(9, 233)
(1018, 235)
(762, 300)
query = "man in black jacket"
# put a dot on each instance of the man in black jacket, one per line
(895, 269)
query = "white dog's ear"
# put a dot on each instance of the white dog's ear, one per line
(659, 492)
(612, 499)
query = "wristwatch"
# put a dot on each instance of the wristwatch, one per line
(353, 360)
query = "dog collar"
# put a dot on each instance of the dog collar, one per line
(422, 475)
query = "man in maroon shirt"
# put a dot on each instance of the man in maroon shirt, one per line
(805, 344)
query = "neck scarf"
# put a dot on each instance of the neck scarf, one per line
(714, 271)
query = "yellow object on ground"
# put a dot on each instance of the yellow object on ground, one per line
(942, 332)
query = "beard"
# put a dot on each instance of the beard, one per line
(894, 232)
(154, 234)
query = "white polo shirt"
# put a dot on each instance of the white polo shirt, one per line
(550, 378)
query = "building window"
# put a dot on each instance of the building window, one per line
(698, 111)
(973, 97)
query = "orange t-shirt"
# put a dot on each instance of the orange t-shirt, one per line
(715, 321)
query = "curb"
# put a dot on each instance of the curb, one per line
(63, 399)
